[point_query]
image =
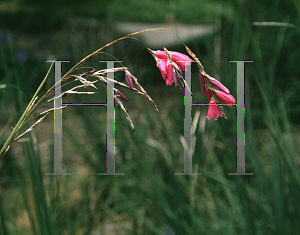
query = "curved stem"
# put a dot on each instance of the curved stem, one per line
(31, 107)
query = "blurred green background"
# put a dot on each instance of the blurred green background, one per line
(149, 198)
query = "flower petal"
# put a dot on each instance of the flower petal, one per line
(218, 84)
(160, 54)
(181, 59)
(162, 65)
(169, 79)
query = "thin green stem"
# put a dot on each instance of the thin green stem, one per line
(22, 119)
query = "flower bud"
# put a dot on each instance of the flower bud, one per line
(218, 84)
(122, 95)
(224, 97)
(129, 79)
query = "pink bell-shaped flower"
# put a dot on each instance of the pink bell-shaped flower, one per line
(213, 110)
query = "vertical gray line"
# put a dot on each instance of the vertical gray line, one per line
(240, 122)
(188, 161)
(110, 115)
(110, 123)
(57, 122)
(188, 158)
(240, 119)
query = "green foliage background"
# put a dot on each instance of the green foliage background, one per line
(149, 198)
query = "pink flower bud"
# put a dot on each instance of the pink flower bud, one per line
(122, 95)
(224, 97)
(129, 79)
(218, 84)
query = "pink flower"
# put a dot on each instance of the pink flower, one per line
(179, 58)
(222, 93)
(225, 98)
(172, 64)
(168, 70)
(213, 110)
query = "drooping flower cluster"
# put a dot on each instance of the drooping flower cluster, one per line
(215, 92)
(172, 64)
